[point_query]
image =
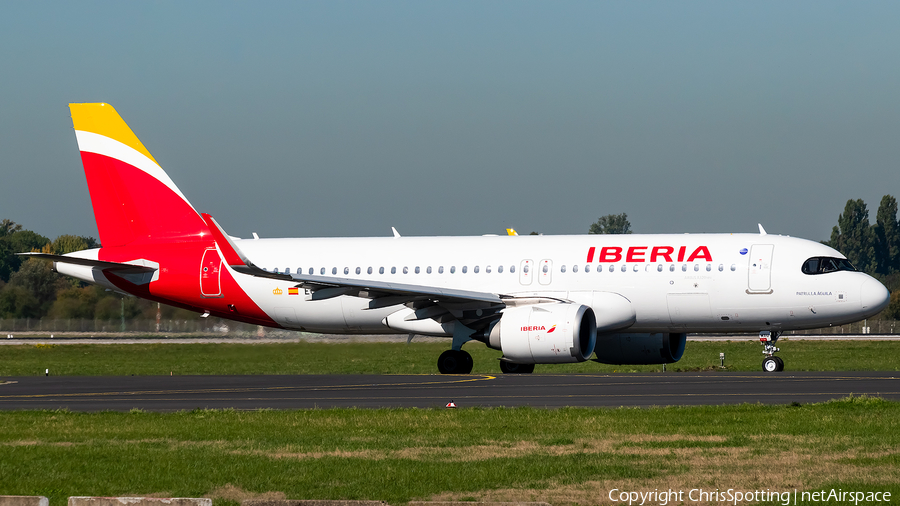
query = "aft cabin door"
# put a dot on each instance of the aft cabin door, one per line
(210, 272)
(760, 268)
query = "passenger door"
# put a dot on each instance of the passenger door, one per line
(210, 273)
(759, 279)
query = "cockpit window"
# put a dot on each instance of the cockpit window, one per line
(823, 265)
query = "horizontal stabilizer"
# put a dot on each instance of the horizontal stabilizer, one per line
(136, 266)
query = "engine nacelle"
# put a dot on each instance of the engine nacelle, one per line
(640, 349)
(550, 333)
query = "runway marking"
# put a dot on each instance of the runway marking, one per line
(249, 389)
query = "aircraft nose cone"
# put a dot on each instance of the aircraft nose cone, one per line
(874, 296)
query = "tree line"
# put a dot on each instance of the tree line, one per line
(29, 288)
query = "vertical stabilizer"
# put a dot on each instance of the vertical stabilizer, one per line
(134, 199)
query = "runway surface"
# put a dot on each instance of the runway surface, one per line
(172, 393)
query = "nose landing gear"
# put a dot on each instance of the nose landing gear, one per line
(771, 363)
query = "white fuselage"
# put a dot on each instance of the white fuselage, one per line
(675, 283)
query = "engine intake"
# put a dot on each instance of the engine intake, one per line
(640, 349)
(550, 333)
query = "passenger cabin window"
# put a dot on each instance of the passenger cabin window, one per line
(562, 268)
(393, 270)
(369, 270)
(512, 269)
(452, 269)
(624, 267)
(381, 270)
(417, 269)
(476, 269)
(599, 268)
(358, 270)
(824, 265)
(428, 270)
(333, 271)
(499, 269)
(311, 271)
(405, 270)
(465, 269)
(487, 269)
(322, 271)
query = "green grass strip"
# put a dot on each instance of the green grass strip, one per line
(399, 358)
(565, 456)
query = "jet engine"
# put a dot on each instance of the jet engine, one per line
(639, 349)
(550, 333)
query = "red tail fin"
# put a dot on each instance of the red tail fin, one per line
(134, 199)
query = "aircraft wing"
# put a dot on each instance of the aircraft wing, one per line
(326, 287)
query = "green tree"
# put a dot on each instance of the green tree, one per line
(70, 243)
(887, 236)
(18, 302)
(611, 224)
(853, 236)
(37, 277)
(15, 240)
(75, 302)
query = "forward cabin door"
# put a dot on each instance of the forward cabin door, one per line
(210, 272)
(760, 268)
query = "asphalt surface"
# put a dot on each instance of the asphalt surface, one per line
(172, 393)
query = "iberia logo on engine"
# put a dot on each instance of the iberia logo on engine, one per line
(536, 328)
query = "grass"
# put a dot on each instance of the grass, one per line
(399, 358)
(565, 456)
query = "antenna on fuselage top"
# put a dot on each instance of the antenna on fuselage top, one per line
(762, 231)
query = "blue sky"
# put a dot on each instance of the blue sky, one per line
(463, 118)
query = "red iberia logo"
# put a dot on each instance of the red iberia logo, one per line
(293, 291)
(532, 328)
(551, 329)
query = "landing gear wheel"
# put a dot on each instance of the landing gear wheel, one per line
(514, 368)
(780, 363)
(771, 364)
(455, 362)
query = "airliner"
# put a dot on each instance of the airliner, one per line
(623, 299)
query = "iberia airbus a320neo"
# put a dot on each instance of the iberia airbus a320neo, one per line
(629, 299)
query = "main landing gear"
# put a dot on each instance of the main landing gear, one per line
(455, 362)
(771, 363)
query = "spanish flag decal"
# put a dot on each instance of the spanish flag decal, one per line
(293, 291)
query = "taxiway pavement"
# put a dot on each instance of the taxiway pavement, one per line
(172, 393)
